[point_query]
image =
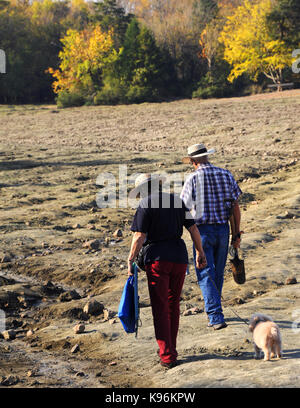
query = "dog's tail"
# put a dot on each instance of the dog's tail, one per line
(275, 336)
(275, 332)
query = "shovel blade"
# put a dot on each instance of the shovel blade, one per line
(238, 270)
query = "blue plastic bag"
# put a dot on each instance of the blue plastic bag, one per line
(128, 311)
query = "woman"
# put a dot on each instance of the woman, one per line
(159, 222)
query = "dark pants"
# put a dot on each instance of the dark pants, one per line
(165, 281)
(210, 279)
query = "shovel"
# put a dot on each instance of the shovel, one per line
(237, 267)
(237, 264)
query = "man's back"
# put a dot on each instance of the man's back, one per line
(209, 192)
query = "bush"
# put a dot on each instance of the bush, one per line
(67, 99)
(214, 85)
(112, 93)
(138, 94)
(212, 91)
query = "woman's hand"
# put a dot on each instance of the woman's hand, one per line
(130, 262)
(201, 261)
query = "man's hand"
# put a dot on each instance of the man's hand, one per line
(236, 241)
(201, 261)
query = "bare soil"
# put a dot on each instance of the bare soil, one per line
(49, 163)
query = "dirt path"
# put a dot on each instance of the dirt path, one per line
(49, 163)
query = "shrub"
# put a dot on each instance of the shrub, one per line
(112, 93)
(67, 99)
(138, 94)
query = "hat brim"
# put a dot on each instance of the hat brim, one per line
(188, 158)
(134, 192)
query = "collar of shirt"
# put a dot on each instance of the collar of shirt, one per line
(203, 165)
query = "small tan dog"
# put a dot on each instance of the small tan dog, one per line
(266, 336)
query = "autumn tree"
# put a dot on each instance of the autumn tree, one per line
(82, 61)
(249, 46)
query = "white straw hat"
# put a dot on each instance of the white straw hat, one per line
(142, 180)
(195, 151)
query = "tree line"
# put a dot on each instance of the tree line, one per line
(129, 51)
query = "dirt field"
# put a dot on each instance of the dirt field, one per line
(49, 163)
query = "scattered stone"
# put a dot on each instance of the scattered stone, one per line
(6, 281)
(99, 374)
(112, 363)
(9, 380)
(45, 245)
(9, 334)
(29, 333)
(287, 215)
(30, 373)
(75, 226)
(93, 307)
(75, 313)
(5, 259)
(68, 296)
(75, 349)
(112, 321)
(93, 244)
(51, 290)
(79, 328)
(196, 310)
(108, 314)
(91, 227)
(187, 312)
(118, 233)
(291, 281)
(80, 374)
(236, 301)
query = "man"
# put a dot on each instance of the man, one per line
(159, 221)
(211, 193)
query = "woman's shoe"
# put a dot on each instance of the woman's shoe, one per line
(169, 365)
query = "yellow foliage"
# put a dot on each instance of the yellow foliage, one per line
(249, 46)
(84, 55)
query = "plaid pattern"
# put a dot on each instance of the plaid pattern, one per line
(205, 193)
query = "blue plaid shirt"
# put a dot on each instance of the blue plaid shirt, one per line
(208, 192)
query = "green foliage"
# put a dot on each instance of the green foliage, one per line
(109, 15)
(215, 84)
(142, 72)
(67, 99)
(113, 92)
(283, 22)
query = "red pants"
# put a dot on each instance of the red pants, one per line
(165, 281)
